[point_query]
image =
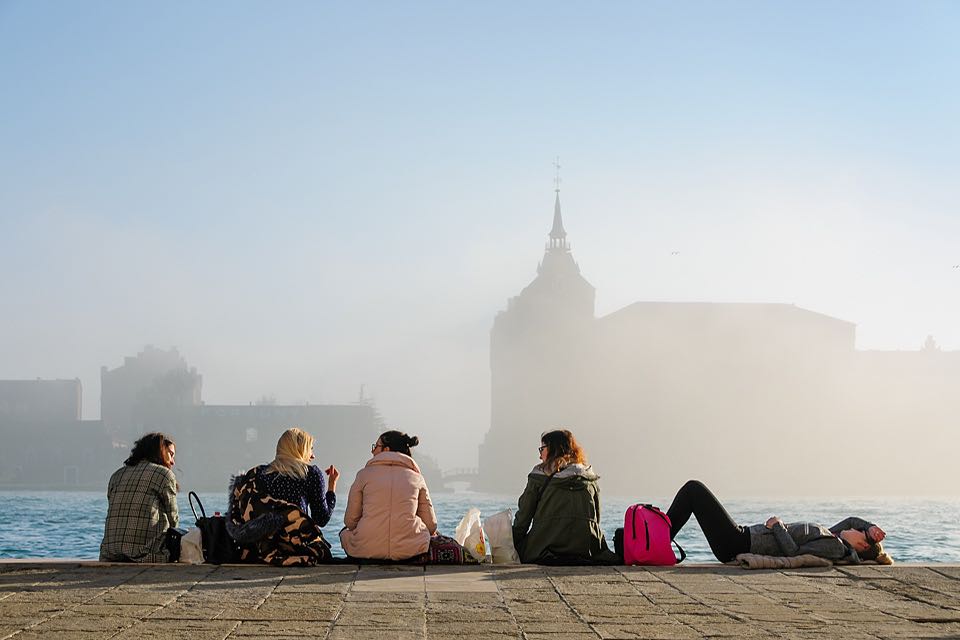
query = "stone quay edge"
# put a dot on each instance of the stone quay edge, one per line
(90, 601)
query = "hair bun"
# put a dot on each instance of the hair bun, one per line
(412, 441)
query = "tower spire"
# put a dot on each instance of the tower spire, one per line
(558, 236)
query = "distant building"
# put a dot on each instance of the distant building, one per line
(41, 400)
(659, 392)
(45, 442)
(46, 445)
(55, 455)
(146, 387)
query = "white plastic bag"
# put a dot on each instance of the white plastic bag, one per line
(469, 534)
(499, 531)
(191, 547)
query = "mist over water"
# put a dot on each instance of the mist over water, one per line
(742, 268)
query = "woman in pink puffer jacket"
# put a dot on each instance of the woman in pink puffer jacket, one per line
(389, 515)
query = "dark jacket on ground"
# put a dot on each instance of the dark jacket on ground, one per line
(564, 510)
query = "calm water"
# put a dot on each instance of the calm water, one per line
(59, 524)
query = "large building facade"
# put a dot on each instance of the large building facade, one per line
(747, 396)
(41, 400)
(46, 444)
(145, 387)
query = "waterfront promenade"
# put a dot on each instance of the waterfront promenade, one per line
(93, 601)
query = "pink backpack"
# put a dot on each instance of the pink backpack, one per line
(646, 537)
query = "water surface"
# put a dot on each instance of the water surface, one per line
(67, 524)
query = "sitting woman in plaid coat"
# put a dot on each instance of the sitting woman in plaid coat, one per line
(142, 503)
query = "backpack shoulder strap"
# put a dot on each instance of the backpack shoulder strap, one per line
(544, 487)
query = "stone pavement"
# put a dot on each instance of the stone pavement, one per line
(90, 601)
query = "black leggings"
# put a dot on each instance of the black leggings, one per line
(726, 537)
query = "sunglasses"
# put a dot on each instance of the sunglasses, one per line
(375, 446)
(541, 448)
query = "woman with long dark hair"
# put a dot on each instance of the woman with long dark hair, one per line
(141, 503)
(558, 515)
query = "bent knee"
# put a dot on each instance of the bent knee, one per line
(694, 485)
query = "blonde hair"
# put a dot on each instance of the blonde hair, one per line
(293, 454)
(562, 450)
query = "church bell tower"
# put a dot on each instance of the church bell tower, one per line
(538, 346)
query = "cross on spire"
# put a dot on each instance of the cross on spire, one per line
(558, 236)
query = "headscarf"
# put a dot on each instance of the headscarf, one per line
(293, 454)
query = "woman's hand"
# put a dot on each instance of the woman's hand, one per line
(875, 534)
(332, 476)
(773, 520)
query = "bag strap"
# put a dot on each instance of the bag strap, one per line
(657, 511)
(544, 487)
(191, 497)
(683, 554)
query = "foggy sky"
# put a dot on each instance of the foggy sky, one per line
(310, 199)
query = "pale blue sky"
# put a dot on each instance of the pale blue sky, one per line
(307, 197)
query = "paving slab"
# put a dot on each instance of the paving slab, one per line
(461, 579)
(75, 622)
(94, 601)
(65, 635)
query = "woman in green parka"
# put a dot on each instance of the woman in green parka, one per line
(558, 515)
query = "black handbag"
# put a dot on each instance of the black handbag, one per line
(172, 542)
(618, 543)
(218, 546)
